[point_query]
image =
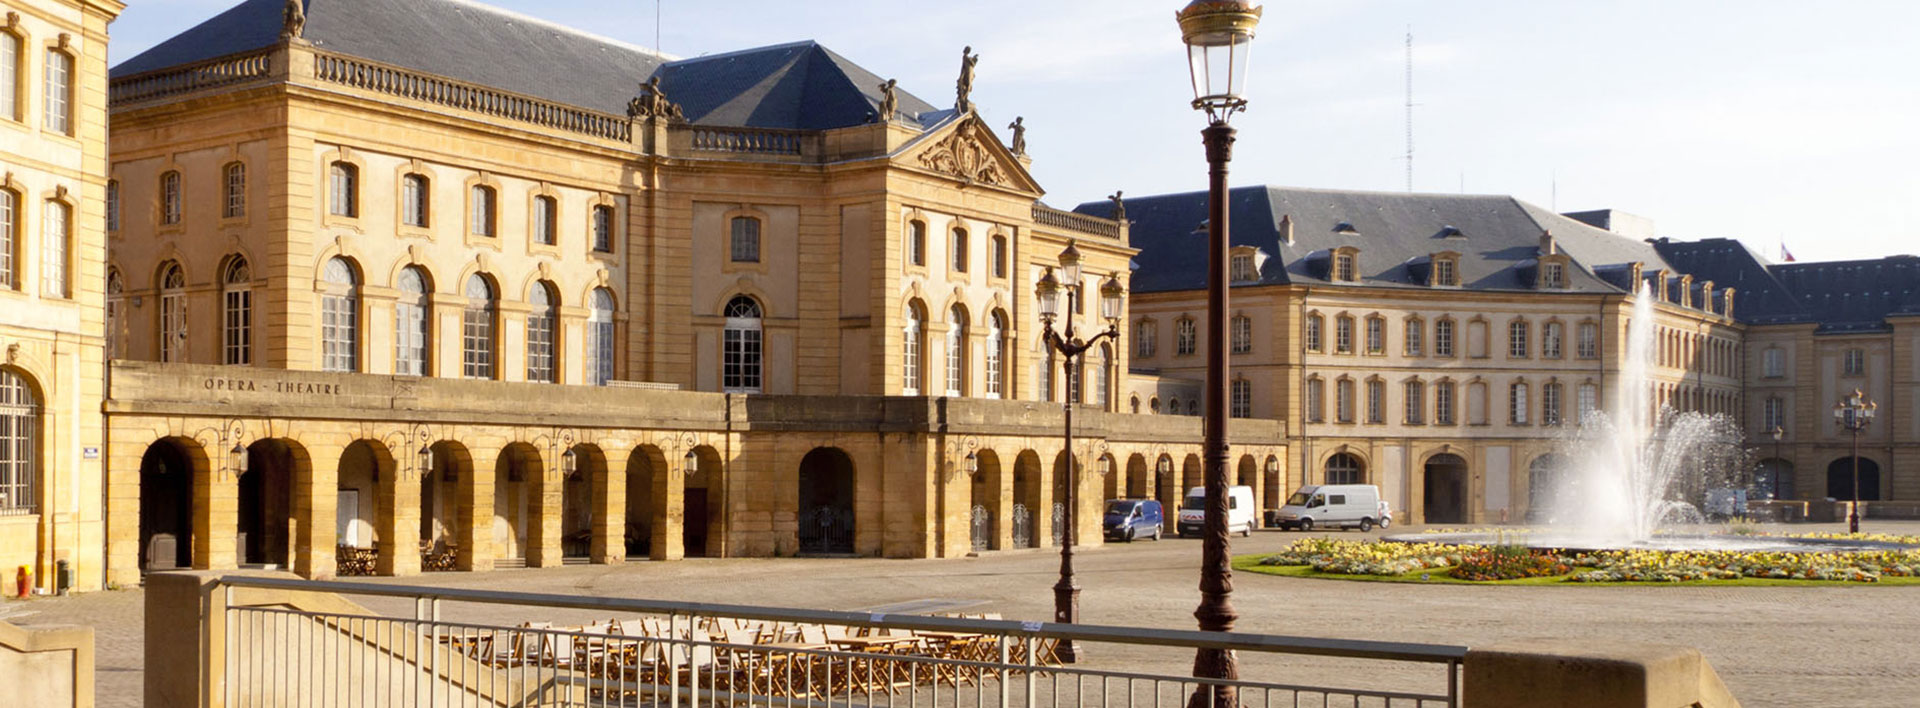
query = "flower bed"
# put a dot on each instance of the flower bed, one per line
(1506, 562)
(1509, 563)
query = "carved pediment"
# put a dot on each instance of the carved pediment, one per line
(964, 156)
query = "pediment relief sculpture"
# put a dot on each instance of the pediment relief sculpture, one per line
(964, 156)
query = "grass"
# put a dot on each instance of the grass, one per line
(1439, 576)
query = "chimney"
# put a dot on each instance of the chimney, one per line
(1726, 303)
(1547, 245)
(1286, 229)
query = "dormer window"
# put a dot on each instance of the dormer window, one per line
(1242, 269)
(1446, 270)
(1553, 275)
(1345, 267)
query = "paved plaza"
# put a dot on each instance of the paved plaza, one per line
(1826, 646)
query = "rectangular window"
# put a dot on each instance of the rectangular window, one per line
(345, 192)
(1776, 413)
(1774, 363)
(338, 326)
(1376, 335)
(1376, 402)
(1314, 325)
(1144, 335)
(410, 346)
(1550, 404)
(741, 360)
(996, 356)
(1242, 399)
(1517, 404)
(56, 245)
(1343, 335)
(1553, 275)
(1416, 394)
(1242, 335)
(1316, 401)
(173, 326)
(9, 236)
(917, 243)
(910, 362)
(482, 217)
(1443, 403)
(956, 361)
(1855, 362)
(546, 224)
(745, 240)
(1343, 269)
(1589, 340)
(1589, 400)
(9, 76)
(113, 205)
(238, 344)
(170, 198)
(603, 229)
(999, 256)
(1443, 338)
(1444, 273)
(1551, 338)
(236, 205)
(1184, 344)
(540, 347)
(1517, 346)
(960, 259)
(413, 201)
(1045, 377)
(1243, 269)
(1415, 335)
(476, 343)
(600, 352)
(1343, 401)
(59, 96)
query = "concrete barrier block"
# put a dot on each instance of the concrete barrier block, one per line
(1558, 673)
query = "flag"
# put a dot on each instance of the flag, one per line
(1785, 255)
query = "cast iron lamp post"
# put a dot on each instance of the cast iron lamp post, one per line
(1066, 593)
(1776, 433)
(1853, 414)
(1218, 35)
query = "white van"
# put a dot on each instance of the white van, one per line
(1332, 506)
(1193, 511)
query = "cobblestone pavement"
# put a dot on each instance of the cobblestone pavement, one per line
(1827, 646)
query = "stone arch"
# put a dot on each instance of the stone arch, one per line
(516, 527)
(1840, 479)
(1774, 476)
(1248, 474)
(1192, 474)
(1547, 483)
(989, 496)
(645, 503)
(444, 521)
(826, 519)
(1274, 481)
(578, 491)
(703, 529)
(1343, 466)
(171, 470)
(1112, 481)
(1165, 483)
(1026, 499)
(364, 509)
(1444, 490)
(268, 504)
(1138, 480)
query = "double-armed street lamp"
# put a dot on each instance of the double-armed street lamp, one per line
(1853, 414)
(1066, 592)
(1218, 34)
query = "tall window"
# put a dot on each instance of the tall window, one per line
(603, 229)
(1242, 334)
(1343, 268)
(1773, 362)
(476, 329)
(1443, 403)
(56, 248)
(1550, 404)
(1242, 268)
(113, 203)
(1184, 336)
(1043, 368)
(1443, 338)
(1316, 400)
(1775, 413)
(482, 212)
(412, 316)
(173, 313)
(917, 243)
(740, 363)
(1101, 376)
(546, 220)
(170, 197)
(1145, 332)
(415, 200)
(746, 240)
(600, 337)
(1589, 399)
(1413, 334)
(1854, 362)
(1241, 399)
(957, 351)
(1315, 335)
(960, 251)
(1589, 344)
(1552, 337)
(236, 187)
(1076, 377)
(1517, 403)
(910, 348)
(9, 76)
(1376, 335)
(996, 354)
(999, 256)
(542, 320)
(344, 195)
(340, 317)
(1343, 334)
(116, 314)
(1344, 468)
(1445, 272)
(59, 98)
(1553, 275)
(236, 316)
(1517, 345)
(1416, 394)
(1343, 401)
(19, 456)
(1376, 401)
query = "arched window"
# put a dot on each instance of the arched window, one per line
(476, 329)
(1376, 401)
(170, 197)
(1553, 337)
(411, 323)
(746, 240)
(1344, 468)
(1173, 406)
(960, 259)
(340, 317)
(910, 348)
(1153, 405)
(600, 337)
(543, 318)
(1102, 376)
(741, 352)
(56, 248)
(997, 355)
(236, 186)
(236, 312)
(59, 92)
(546, 220)
(1550, 394)
(344, 193)
(1134, 405)
(173, 313)
(416, 200)
(999, 256)
(1376, 335)
(957, 351)
(116, 314)
(19, 454)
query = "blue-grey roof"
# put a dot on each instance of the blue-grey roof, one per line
(1847, 296)
(800, 85)
(1497, 237)
(1759, 296)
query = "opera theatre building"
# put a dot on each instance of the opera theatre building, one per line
(377, 287)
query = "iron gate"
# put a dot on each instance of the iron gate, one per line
(1059, 523)
(982, 529)
(826, 529)
(1022, 527)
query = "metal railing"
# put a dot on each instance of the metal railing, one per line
(280, 650)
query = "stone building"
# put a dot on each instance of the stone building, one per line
(53, 141)
(525, 295)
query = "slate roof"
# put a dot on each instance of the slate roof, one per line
(1497, 237)
(1847, 296)
(1759, 297)
(800, 85)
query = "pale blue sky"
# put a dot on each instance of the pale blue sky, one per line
(1762, 120)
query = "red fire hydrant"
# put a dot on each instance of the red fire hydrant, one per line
(23, 581)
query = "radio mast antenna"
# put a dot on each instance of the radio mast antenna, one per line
(1409, 155)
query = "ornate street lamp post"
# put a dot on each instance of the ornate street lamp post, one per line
(1218, 35)
(1066, 593)
(1776, 433)
(1853, 414)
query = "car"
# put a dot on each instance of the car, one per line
(1129, 519)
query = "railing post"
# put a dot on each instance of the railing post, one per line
(1005, 680)
(1031, 641)
(214, 647)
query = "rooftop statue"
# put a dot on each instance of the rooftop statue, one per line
(964, 86)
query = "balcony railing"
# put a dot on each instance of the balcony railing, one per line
(212, 73)
(1076, 221)
(753, 141)
(404, 83)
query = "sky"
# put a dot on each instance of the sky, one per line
(1769, 121)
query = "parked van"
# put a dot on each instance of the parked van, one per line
(1128, 519)
(1332, 506)
(1193, 511)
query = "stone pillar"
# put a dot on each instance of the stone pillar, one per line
(216, 511)
(123, 509)
(610, 507)
(316, 484)
(1042, 510)
(399, 515)
(544, 523)
(669, 513)
(476, 511)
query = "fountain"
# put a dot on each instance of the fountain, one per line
(1628, 471)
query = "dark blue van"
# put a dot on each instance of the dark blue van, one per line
(1128, 519)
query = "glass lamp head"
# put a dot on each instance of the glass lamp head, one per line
(425, 458)
(1110, 293)
(1047, 292)
(1070, 262)
(239, 455)
(1218, 34)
